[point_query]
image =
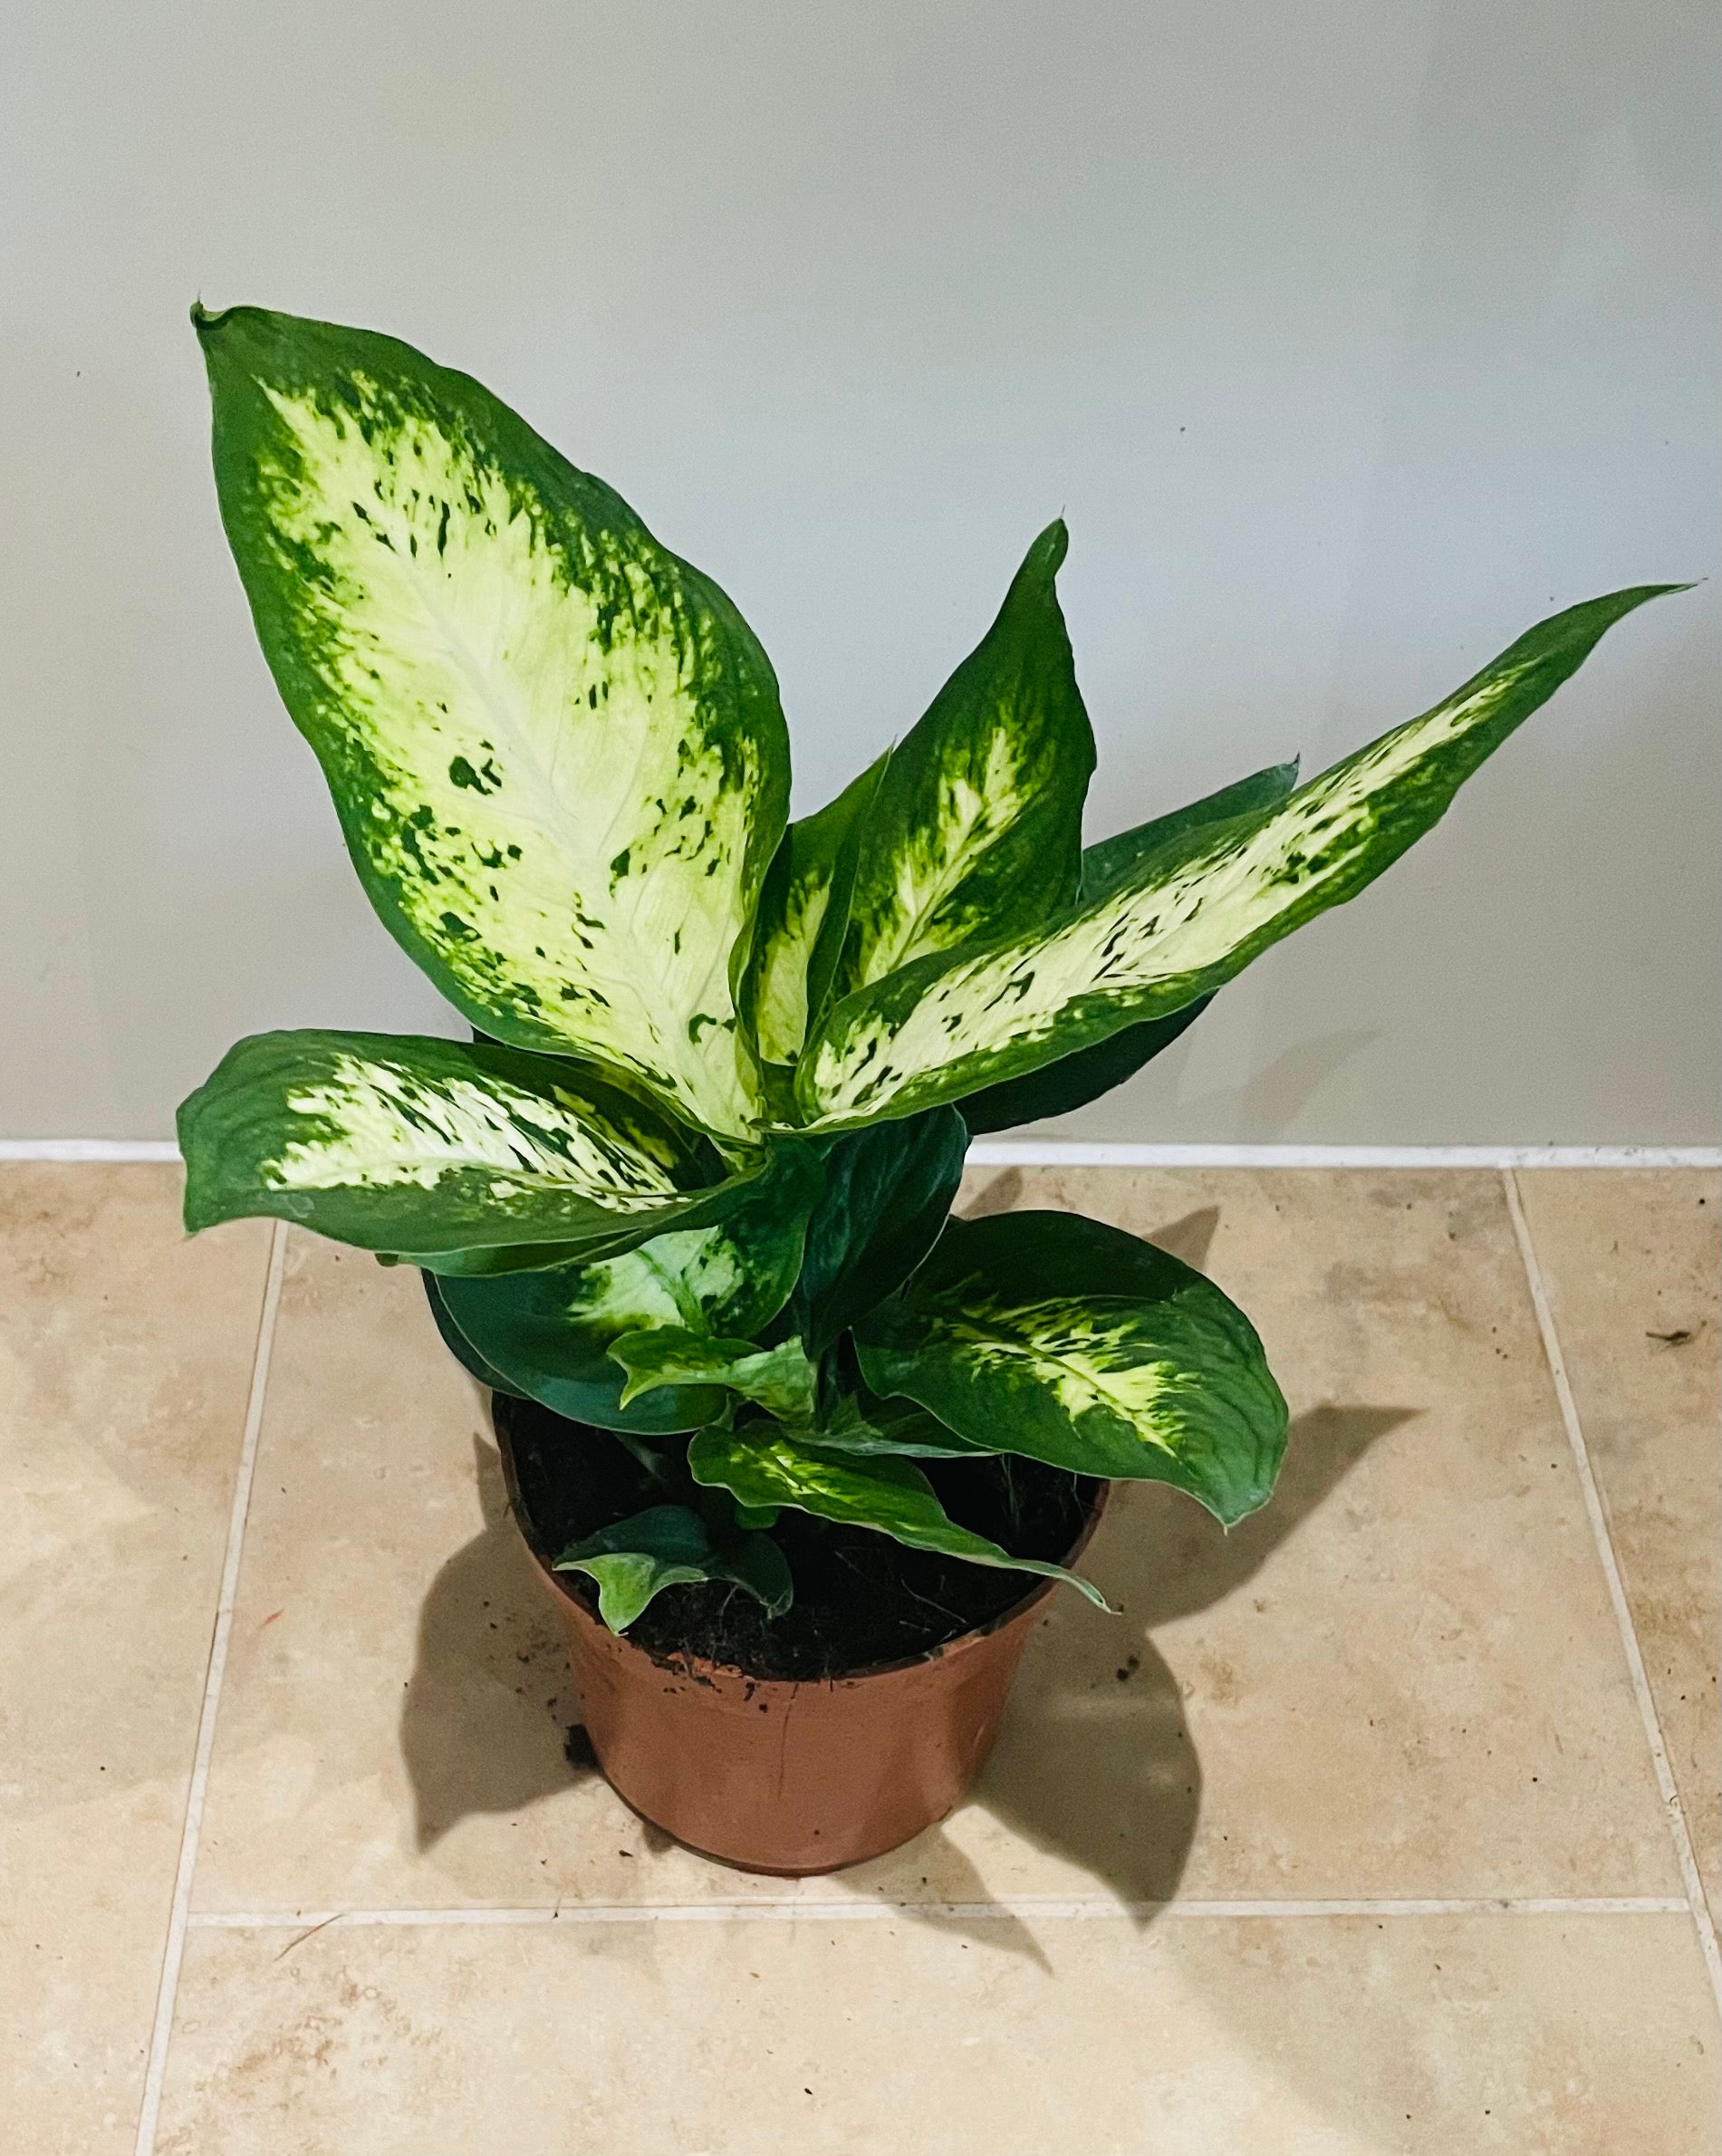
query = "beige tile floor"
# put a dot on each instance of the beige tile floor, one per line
(1393, 1835)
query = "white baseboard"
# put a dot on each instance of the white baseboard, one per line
(1054, 1152)
(1058, 1152)
(88, 1149)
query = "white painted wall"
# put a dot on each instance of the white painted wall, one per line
(1350, 338)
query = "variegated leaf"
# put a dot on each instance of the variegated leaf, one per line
(976, 829)
(762, 1466)
(1191, 917)
(1074, 1343)
(802, 919)
(550, 1333)
(780, 1378)
(669, 1546)
(1108, 863)
(1073, 1080)
(401, 1144)
(556, 750)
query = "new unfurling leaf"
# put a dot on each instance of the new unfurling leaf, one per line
(669, 1545)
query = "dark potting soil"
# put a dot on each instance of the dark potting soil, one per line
(860, 1598)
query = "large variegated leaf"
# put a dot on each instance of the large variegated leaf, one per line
(669, 1546)
(802, 919)
(1190, 915)
(1073, 1080)
(1073, 1343)
(394, 1144)
(887, 1193)
(762, 1466)
(976, 829)
(550, 1334)
(556, 750)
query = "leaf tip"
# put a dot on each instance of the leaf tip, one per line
(1049, 550)
(200, 1207)
(208, 322)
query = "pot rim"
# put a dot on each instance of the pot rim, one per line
(691, 1664)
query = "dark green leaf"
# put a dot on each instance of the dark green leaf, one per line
(550, 1334)
(486, 1263)
(460, 1347)
(888, 1191)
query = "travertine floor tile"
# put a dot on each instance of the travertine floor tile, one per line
(1522, 2035)
(125, 1358)
(397, 1696)
(1400, 1679)
(1403, 1680)
(1630, 1260)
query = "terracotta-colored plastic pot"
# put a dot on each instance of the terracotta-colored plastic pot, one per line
(791, 1779)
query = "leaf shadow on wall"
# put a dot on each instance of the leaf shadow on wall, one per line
(1094, 1764)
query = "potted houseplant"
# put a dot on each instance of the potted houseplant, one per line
(798, 1453)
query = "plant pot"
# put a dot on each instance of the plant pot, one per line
(780, 1777)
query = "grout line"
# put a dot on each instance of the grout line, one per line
(1049, 1152)
(1060, 1153)
(859, 1911)
(180, 1915)
(1672, 1806)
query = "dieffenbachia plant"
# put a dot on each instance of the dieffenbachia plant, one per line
(691, 1180)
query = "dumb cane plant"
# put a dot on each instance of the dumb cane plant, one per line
(691, 1182)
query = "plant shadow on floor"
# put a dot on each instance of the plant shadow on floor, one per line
(1094, 1766)
(485, 1724)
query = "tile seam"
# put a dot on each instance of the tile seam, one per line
(1674, 1810)
(180, 1916)
(1050, 1909)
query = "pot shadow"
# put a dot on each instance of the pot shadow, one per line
(1002, 1194)
(489, 1710)
(1094, 1765)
